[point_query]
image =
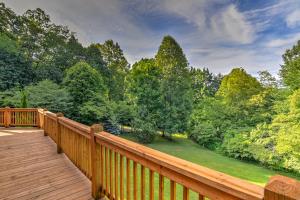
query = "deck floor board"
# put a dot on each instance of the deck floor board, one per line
(30, 168)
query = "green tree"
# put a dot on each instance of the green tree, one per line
(84, 83)
(15, 69)
(93, 56)
(277, 144)
(118, 68)
(44, 94)
(290, 70)
(175, 86)
(238, 86)
(204, 83)
(267, 80)
(144, 88)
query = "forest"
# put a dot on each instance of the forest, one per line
(248, 117)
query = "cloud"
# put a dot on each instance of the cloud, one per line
(232, 26)
(288, 41)
(218, 34)
(293, 19)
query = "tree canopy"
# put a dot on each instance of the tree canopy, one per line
(175, 86)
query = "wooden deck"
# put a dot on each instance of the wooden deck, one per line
(30, 168)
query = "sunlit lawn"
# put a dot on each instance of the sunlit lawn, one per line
(186, 149)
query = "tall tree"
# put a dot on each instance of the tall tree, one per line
(238, 86)
(15, 69)
(290, 70)
(93, 56)
(84, 84)
(118, 68)
(144, 87)
(175, 86)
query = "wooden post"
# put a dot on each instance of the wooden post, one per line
(7, 119)
(281, 187)
(58, 129)
(45, 124)
(96, 128)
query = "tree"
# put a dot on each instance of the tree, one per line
(290, 70)
(93, 56)
(175, 86)
(204, 83)
(15, 69)
(277, 144)
(144, 88)
(84, 83)
(238, 86)
(267, 80)
(44, 94)
(118, 68)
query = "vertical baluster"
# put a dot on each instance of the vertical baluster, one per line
(111, 189)
(116, 175)
(142, 182)
(185, 193)
(151, 185)
(106, 170)
(135, 181)
(200, 197)
(128, 196)
(172, 190)
(121, 177)
(161, 187)
(101, 169)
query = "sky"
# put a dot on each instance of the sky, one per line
(216, 34)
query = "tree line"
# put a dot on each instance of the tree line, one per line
(256, 119)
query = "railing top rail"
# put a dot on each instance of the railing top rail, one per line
(20, 109)
(83, 129)
(228, 184)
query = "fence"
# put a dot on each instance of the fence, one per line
(121, 169)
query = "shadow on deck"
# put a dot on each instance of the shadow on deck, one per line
(30, 168)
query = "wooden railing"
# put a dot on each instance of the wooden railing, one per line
(121, 169)
(19, 117)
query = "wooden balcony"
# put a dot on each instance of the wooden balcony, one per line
(30, 168)
(64, 159)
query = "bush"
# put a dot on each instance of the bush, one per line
(236, 144)
(144, 131)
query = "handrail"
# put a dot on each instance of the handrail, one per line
(108, 161)
(19, 117)
(182, 171)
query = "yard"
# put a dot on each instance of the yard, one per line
(186, 149)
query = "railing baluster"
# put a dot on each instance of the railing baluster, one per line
(106, 171)
(102, 168)
(161, 187)
(142, 182)
(135, 196)
(121, 177)
(151, 185)
(128, 184)
(200, 197)
(185, 193)
(111, 189)
(116, 176)
(172, 190)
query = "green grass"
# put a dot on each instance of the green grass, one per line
(186, 149)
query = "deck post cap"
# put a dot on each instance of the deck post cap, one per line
(59, 114)
(96, 128)
(283, 187)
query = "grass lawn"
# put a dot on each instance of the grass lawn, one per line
(186, 149)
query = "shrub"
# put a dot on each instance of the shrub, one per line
(144, 131)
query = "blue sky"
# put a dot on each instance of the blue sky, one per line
(217, 34)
